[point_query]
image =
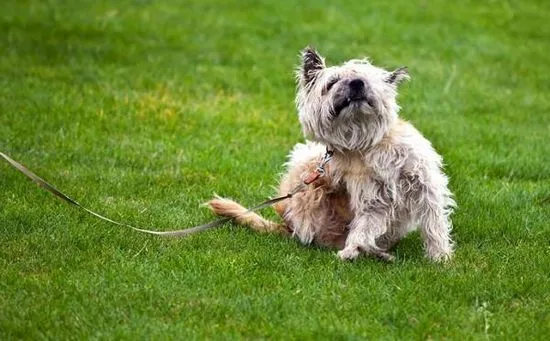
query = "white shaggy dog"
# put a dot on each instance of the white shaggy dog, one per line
(384, 178)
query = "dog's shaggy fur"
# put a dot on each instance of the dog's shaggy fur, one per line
(384, 179)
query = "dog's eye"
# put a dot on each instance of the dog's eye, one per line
(331, 83)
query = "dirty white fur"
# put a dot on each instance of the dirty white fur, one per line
(391, 172)
(385, 178)
(351, 131)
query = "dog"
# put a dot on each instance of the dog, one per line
(384, 178)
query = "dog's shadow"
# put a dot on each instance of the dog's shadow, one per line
(410, 246)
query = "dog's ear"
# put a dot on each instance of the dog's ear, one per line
(398, 75)
(312, 63)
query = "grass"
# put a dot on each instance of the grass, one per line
(142, 109)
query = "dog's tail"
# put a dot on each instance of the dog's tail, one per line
(229, 208)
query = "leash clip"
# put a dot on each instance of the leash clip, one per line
(320, 170)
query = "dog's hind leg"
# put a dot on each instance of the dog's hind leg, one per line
(229, 208)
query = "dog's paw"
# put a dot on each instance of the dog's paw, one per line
(382, 255)
(217, 205)
(224, 207)
(440, 257)
(349, 253)
(439, 254)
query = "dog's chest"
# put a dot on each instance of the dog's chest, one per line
(354, 167)
(365, 181)
(352, 170)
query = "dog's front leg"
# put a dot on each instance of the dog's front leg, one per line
(364, 230)
(371, 202)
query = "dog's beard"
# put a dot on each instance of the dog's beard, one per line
(351, 124)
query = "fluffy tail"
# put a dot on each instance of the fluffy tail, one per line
(229, 208)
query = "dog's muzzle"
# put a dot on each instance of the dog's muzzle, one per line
(356, 93)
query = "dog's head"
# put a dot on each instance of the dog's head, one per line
(347, 107)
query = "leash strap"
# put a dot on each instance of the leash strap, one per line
(175, 233)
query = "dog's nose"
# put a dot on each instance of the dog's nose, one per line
(356, 85)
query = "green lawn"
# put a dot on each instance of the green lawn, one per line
(143, 109)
